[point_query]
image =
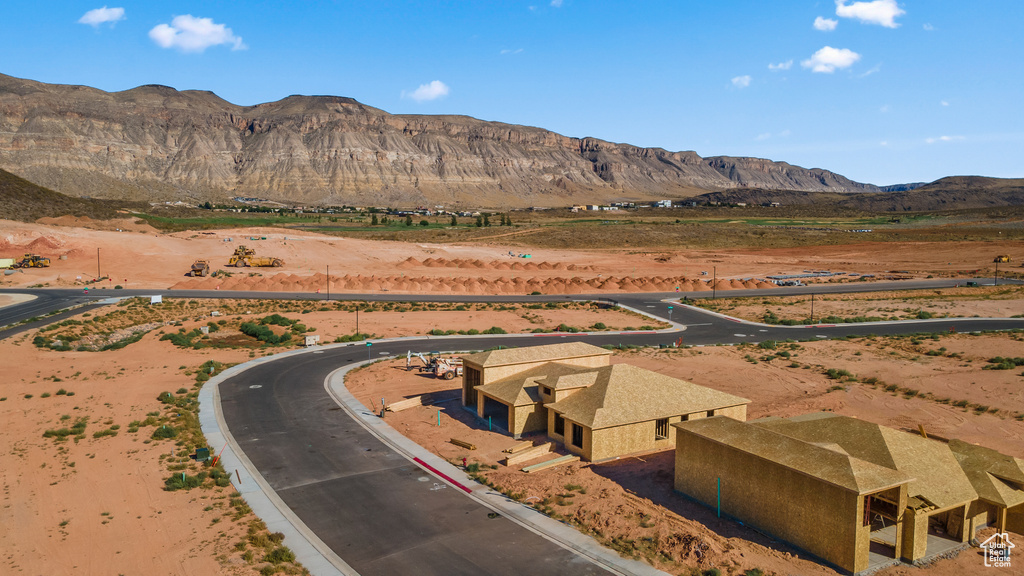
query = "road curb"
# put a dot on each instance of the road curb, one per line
(527, 517)
(309, 549)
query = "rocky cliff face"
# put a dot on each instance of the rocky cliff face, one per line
(157, 143)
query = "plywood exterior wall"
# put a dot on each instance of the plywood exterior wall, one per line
(527, 419)
(822, 518)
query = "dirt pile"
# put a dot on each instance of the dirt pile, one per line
(282, 282)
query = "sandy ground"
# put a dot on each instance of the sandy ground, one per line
(632, 498)
(109, 490)
(98, 505)
(139, 257)
(11, 299)
(985, 301)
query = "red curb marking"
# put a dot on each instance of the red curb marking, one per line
(442, 475)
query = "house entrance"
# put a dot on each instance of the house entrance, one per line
(881, 514)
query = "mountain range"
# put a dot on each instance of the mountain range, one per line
(156, 143)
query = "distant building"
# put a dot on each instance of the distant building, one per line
(663, 204)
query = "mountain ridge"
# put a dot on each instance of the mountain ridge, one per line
(154, 142)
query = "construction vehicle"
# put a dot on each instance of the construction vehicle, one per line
(244, 257)
(1002, 258)
(200, 268)
(447, 368)
(32, 261)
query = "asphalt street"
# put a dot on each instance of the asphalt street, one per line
(382, 513)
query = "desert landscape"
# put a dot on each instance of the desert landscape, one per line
(181, 194)
(116, 370)
(131, 254)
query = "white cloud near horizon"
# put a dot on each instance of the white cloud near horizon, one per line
(190, 34)
(825, 24)
(881, 12)
(509, 51)
(103, 15)
(741, 81)
(781, 65)
(430, 91)
(556, 3)
(943, 139)
(828, 59)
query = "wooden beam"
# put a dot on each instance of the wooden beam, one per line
(551, 463)
(463, 444)
(518, 447)
(529, 454)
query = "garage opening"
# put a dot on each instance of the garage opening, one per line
(497, 411)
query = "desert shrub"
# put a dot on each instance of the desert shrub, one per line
(279, 555)
(164, 433)
(184, 481)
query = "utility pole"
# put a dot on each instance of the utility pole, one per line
(328, 282)
(996, 282)
(98, 264)
(812, 307)
(714, 280)
(357, 319)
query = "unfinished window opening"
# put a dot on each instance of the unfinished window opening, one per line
(711, 413)
(577, 435)
(545, 390)
(559, 424)
(472, 380)
(661, 429)
(684, 418)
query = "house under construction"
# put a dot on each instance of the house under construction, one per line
(572, 392)
(856, 494)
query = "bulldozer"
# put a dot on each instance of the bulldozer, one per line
(244, 257)
(200, 268)
(32, 261)
(1002, 258)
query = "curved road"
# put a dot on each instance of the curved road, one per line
(376, 509)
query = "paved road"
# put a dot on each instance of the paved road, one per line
(373, 507)
(51, 300)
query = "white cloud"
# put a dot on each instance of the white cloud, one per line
(943, 139)
(556, 3)
(944, 103)
(431, 91)
(884, 108)
(190, 34)
(741, 81)
(102, 15)
(508, 51)
(928, 27)
(883, 143)
(828, 59)
(881, 12)
(784, 133)
(763, 136)
(875, 68)
(781, 65)
(825, 24)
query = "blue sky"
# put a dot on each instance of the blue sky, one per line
(880, 91)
